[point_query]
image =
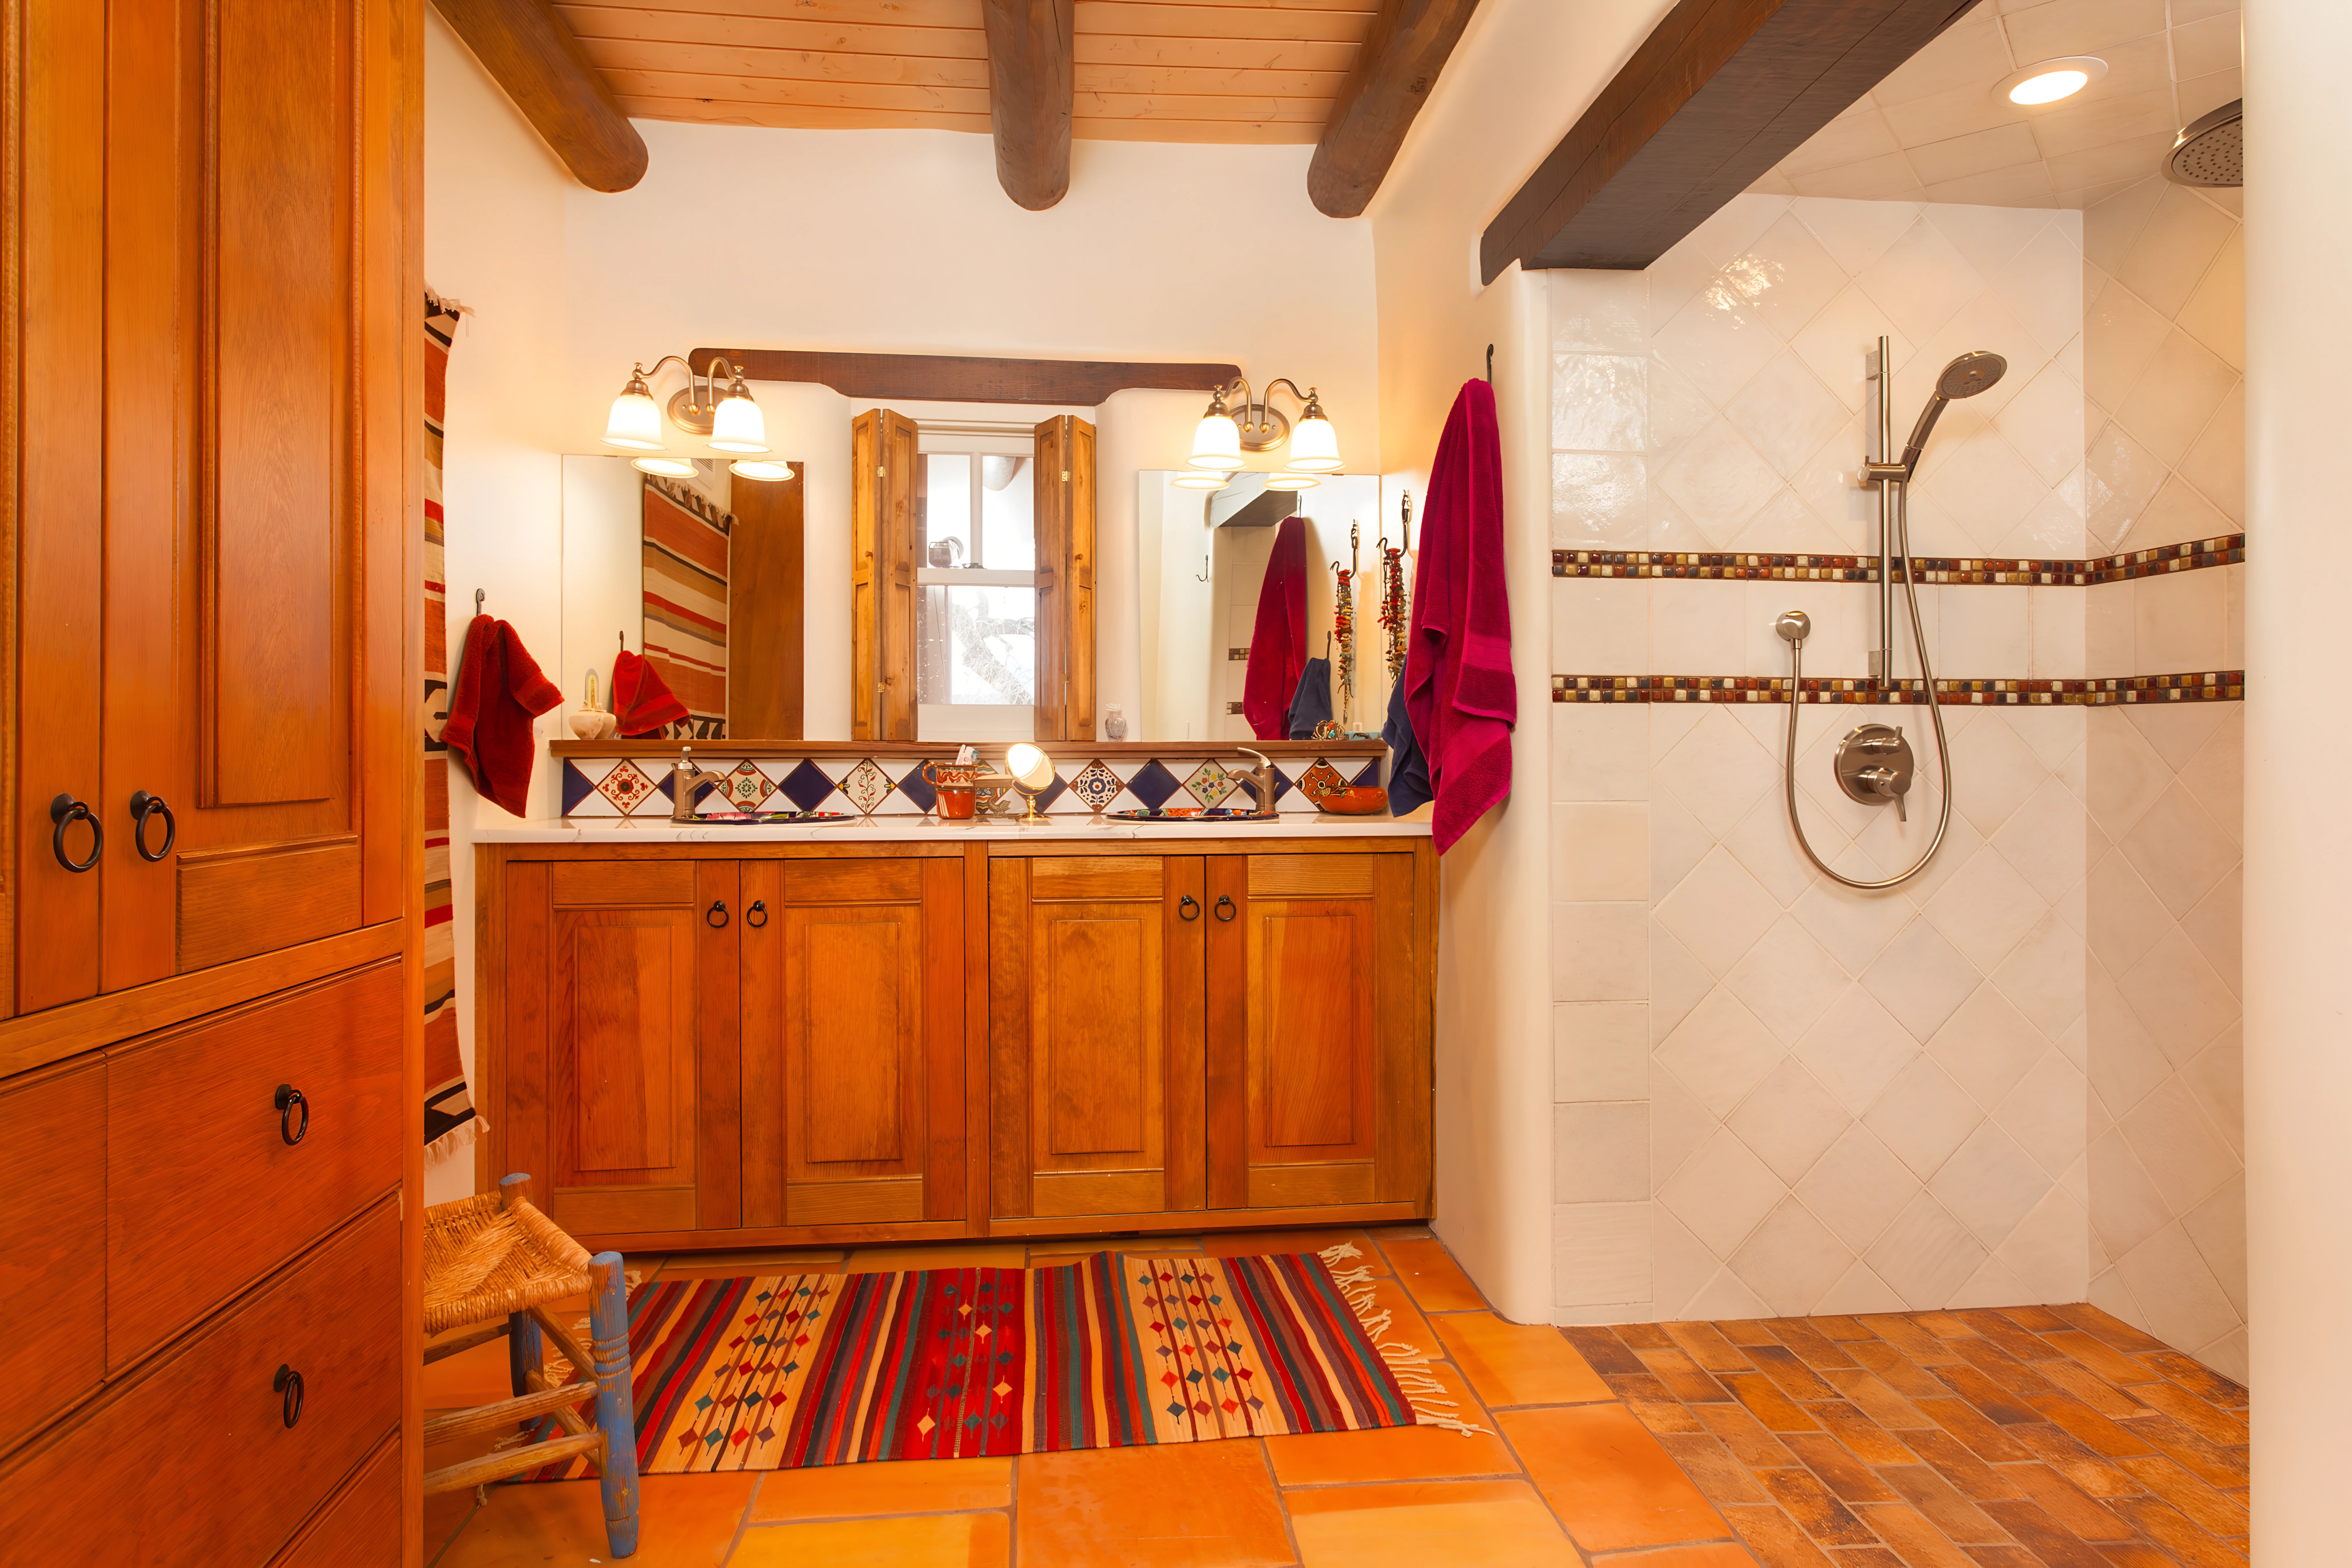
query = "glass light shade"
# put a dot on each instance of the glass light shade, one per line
(636, 422)
(737, 426)
(1202, 481)
(1291, 481)
(1029, 767)
(1314, 447)
(667, 467)
(1217, 443)
(746, 468)
(2050, 87)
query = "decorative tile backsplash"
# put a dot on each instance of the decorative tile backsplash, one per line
(885, 786)
(2230, 550)
(2209, 686)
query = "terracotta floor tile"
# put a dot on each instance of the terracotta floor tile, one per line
(1839, 1468)
(1932, 1495)
(1053, 1254)
(2103, 1396)
(1261, 1243)
(2092, 1430)
(1814, 1348)
(1664, 1415)
(2200, 1379)
(2109, 1363)
(1900, 1373)
(1704, 1345)
(926, 1541)
(1775, 1537)
(681, 1520)
(1874, 1443)
(1945, 1326)
(907, 1486)
(2002, 1556)
(772, 1260)
(1969, 1475)
(1462, 1524)
(1406, 1326)
(1908, 1338)
(2220, 1513)
(1868, 1557)
(2003, 1330)
(1400, 1232)
(1398, 1453)
(1680, 1373)
(1766, 1403)
(1745, 1333)
(2017, 1375)
(961, 1255)
(2112, 1329)
(2064, 1501)
(1913, 1536)
(1714, 1469)
(1716, 1554)
(1841, 1329)
(1803, 1498)
(1603, 1350)
(1744, 1435)
(1996, 1402)
(2135, 1554)
(2177, 1534)
(1436, 1282)
(2059, 1451)
(2034, 1319)
(1645, 1385)
(2225, 1428)
(1511, 1363)
(1608, 1480)
(1645, 1336)
(1993, 1444)
(1149, 1507)
(1797, 1380)
(2056, 1545)
(1876, 1399)
(2215, 1465)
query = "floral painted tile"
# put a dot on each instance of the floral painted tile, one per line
(1096, 785)
(626, 786)
(1210, 784)
(746, 786)
(866, 785)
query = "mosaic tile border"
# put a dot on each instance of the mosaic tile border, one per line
(2210, 685)
(2195, 555)
(883, 785)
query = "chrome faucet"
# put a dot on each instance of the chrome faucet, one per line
(686, 783)
(1259, 781)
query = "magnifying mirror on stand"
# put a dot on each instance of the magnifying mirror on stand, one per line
(1032, 772)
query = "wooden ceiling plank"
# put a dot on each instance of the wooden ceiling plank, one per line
(758, 32)
(531, 54)
(790, 65)
(797, 116)
(1322, 85)
(1366, 6)
(859, 13)
(1030, 72)
(1718, 93)
(1202, 132)
(1172, 106)
(1407, 46)
(719, 88)
(1241, 54)
(1130, 18)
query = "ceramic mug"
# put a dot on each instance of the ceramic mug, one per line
(953, 783)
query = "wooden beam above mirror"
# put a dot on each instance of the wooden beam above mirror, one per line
(1409, 44)
(951, 378)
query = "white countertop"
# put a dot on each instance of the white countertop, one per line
(919, 829)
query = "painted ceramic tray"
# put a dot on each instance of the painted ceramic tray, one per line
(1218, 814)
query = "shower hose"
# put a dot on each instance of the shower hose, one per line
(1900, 510)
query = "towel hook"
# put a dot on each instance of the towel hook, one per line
(477, 601)
(624, 636)
(1490, 362)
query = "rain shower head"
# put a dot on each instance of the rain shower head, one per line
(2211, 151)
(1971, 373)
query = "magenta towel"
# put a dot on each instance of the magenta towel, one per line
(1277, 649)
(1458, 689)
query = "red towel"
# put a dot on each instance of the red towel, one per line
(1458, 689)
(1277, 651)
(642, 698)
(500, 691)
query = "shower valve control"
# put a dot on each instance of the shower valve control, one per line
(1874, 766)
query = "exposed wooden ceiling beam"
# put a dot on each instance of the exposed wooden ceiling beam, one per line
(531, 54)
(954, 377)
(1407, 46)
(1722, 90)
(1032, 46)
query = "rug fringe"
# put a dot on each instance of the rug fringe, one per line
(1407, 1364)
(1339, 1252)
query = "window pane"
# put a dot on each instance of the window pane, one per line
(1008, 524)
(947, 509)
(978, 646)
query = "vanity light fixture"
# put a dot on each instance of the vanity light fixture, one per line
(2051, 80)
(715, 404)
(1291, 481)
(667, 467)
(752, 468)
(1221, 439)
(1203, 480)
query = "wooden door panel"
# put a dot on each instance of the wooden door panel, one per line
(623, 1051)
(1099, 1050)
(853, 1041)
(1316, 961)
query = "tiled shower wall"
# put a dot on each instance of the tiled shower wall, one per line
(1776, 1095)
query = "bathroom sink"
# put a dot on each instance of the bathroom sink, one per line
(759, 819)
(1218, 814)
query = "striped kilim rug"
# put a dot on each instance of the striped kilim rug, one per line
(788, 1370)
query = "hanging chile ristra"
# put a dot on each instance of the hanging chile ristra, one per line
(1343, 631)
(1392, 605)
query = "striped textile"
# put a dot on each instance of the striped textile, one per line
(785, 1371)
(449, 1103)
(685, 636)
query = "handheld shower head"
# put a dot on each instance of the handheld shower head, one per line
(1971, 373)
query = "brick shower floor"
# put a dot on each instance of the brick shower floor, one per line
(2054, 1436)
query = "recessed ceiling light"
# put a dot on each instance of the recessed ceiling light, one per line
(2051, 79)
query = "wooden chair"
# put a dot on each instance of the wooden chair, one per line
(496, 1256)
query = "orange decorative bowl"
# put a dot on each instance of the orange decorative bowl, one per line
(1356, 801)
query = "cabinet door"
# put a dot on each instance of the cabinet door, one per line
(853, 1041)
(1313, 1032)
(1095, 1034)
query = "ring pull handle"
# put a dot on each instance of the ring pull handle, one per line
(1188, 908)
(143, 807)
(716, 915)
(287, 1386)
(1225, 910)
(65, 810)
(288, 1099)
(757, 916)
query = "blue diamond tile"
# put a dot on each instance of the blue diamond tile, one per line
(918, 788)
(1371, 774)
(1282, 785)
(806, 786)
(1153, 784)
(576, 786)
(1046, 797)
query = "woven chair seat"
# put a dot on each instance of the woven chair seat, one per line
(482, 1261)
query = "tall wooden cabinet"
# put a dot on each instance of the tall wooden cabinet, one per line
(208, 1073)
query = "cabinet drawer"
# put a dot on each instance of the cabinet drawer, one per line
(193, 1463)
(52, 1243)
(361, 1528)
(203, 1195)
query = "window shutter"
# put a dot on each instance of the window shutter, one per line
(1065, 480)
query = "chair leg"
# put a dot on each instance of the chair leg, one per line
(608, 1328)
(523, 1354)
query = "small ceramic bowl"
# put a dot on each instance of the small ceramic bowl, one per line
(1356, 801)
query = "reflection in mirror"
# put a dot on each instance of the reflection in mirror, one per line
(1203, 559)
(976, 616)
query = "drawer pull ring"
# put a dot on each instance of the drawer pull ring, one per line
(289, 1097)
(288, 1385)
(65, 810)
(716, 915)
(757, 916)
(143, 807)
(1188, 908)
(1225, 910)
